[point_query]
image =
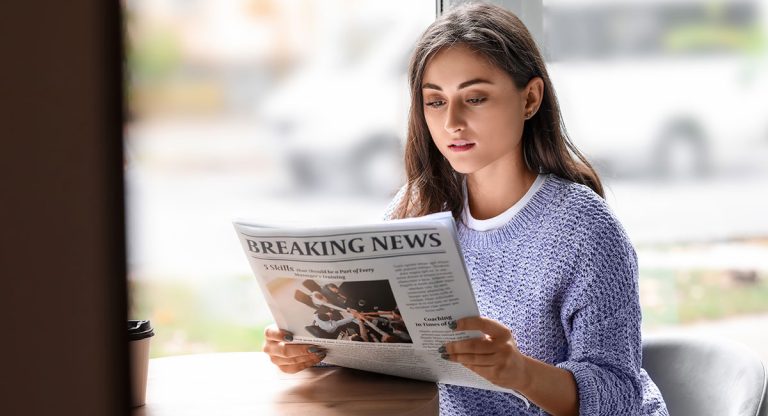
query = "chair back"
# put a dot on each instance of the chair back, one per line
(702, 377)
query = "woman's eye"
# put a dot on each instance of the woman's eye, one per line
(476, 100)
(435, 104)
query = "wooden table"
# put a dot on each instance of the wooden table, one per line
(249, 384)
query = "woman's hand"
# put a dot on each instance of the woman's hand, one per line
(290, 358)
(493, 356)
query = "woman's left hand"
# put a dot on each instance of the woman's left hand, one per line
(493, 356)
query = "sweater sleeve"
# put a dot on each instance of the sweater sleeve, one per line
(389, 212)
(601, 317)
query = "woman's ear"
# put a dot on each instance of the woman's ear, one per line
(532, 94)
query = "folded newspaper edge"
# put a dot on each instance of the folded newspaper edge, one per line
(378, 297)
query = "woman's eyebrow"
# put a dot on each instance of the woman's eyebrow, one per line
(464, 84)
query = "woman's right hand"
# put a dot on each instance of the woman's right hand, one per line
(290, 358)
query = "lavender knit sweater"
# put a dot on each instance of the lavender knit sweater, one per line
(562, 275)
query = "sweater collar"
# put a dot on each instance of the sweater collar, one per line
(528, 215)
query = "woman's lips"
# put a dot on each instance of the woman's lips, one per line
(461, 147)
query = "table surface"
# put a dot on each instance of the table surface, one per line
(247, 383)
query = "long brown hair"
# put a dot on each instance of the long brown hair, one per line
(496, 33)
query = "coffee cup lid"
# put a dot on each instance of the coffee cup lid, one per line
(139, 330)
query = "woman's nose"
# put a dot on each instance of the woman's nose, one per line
(454, 119)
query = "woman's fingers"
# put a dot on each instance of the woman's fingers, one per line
(483, 345)
(476, 351)
(277, 344)
(273, 333)
(290, 358)
(285, 350)
(492, 328)
(485, 351)
(298, 366)
(308, 359)
(493, 356)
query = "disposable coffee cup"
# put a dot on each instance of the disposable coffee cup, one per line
(139, 334)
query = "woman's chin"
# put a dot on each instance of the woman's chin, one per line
(463, 168)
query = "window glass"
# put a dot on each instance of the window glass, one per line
(670, 100)
(289, 110)
(240, 108)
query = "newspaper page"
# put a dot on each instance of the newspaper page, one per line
(378, 297)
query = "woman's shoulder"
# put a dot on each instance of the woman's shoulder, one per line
(404, 193)
(394, 203)
(578, 197)
(606, 268)
(581, 207)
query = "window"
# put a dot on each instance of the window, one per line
(237, 109)
(670, 101)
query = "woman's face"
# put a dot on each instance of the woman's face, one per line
(473, 109)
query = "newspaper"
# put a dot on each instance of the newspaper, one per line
(378, 297)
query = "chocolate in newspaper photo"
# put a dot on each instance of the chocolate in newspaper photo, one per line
(364, 311)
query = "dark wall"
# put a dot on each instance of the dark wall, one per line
(62, 261)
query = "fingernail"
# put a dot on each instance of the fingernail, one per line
(445, 356)
(314, 350)
(452, 324)
(288, 337)
(441, 350)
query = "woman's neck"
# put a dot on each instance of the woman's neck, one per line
(495, 188)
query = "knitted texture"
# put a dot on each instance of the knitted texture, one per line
(562, 275)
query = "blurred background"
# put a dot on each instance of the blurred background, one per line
(295, 111)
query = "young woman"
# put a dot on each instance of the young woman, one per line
(554, 273)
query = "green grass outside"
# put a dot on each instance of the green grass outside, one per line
(670, 297)
(184, 323)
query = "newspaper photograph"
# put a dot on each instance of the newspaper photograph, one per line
(377, 297)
